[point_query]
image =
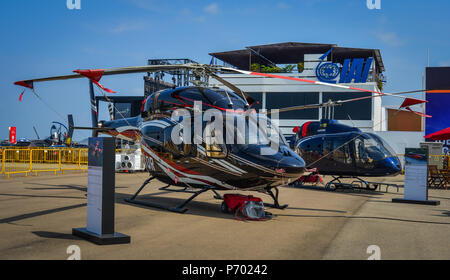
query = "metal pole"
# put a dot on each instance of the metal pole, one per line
(3, 161)
(423, 104)
(31, 160)
(94, 108)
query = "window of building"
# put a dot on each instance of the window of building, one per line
(278, 100)
(257, 96)
(357, 110)
(123, 110)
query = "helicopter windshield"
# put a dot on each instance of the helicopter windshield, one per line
(228, 97)
(384, 146)
(218, 98)
(370, 147)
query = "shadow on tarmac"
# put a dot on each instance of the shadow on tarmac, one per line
(40, 213)
(366, 217)
(55, 235)
(198, 208)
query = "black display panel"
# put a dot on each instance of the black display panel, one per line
(257, 96)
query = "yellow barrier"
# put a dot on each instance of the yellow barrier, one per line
(35, 160)
(441, 162)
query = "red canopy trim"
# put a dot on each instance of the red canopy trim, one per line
(440, 135)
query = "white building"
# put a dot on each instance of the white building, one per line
(274, 93)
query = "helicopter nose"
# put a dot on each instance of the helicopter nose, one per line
(292, 166)
(393, 165)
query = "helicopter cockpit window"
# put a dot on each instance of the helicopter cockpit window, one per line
(383, 145)
(370, 148)
(148, 107)
(341, 151)
(228, 99)
(214, 148)
(252, 133)
(217, 98)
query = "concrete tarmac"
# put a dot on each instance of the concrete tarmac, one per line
(37, 215)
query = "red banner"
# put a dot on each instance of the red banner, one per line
(12, 135)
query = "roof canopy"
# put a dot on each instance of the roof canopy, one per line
(292, 53)
(440, 135)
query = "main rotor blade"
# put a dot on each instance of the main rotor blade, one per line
(112, 71)
(316, 82)
(303, 107)
(424, 90)
(234, 88)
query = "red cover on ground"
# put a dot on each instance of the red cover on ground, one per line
(235, 201)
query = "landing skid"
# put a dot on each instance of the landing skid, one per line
(187, 190)
(177, 209)
(359, 184)
(275, 204)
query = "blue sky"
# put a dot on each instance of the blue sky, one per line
(43, 38)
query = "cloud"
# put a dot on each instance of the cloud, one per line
(390, 38)
(212, 9)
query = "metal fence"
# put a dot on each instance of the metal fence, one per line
(36, 160)
(441, 162)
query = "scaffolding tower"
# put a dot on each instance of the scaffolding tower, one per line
(170, 78)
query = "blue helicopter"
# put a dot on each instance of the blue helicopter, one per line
(343, 151)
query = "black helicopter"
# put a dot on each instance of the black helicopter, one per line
(198, 163)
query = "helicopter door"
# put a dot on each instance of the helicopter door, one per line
(212, 147)
(339, 155)
(343, 156)
(364, 160)
(183, 148)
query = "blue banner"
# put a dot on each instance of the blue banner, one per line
(438, 101)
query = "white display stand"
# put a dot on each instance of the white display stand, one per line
(94, 204)
(101, 195)
(416, 178)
